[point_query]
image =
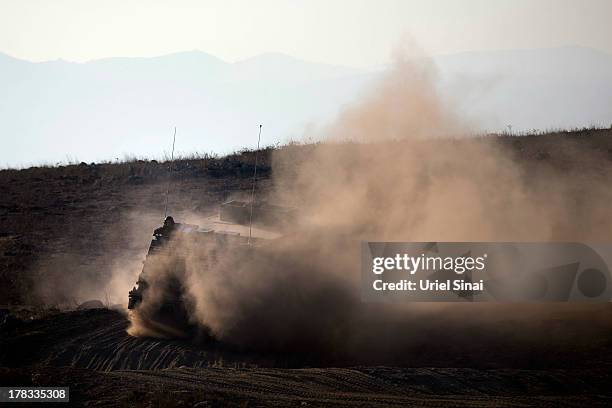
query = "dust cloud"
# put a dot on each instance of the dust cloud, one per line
(394, 167)
(105, 270)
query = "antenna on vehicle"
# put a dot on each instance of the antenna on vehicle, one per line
(171, 166)
(253, 190)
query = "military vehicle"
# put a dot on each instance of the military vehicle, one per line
(160, 297)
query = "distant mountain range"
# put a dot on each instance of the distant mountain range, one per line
(57, 110)
(531, 89)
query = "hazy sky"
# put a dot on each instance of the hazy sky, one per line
(349, 32)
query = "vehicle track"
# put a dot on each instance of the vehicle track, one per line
(91, 352)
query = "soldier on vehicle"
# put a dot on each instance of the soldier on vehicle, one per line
(167, 228)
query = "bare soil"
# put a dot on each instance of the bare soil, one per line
(90, 352)
(60, 223)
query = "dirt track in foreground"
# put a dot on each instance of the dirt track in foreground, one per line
(97, 339)
(379, 386)
(90, 352)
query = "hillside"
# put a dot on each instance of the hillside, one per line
(91, 220)
(79, 232)
(78, 219)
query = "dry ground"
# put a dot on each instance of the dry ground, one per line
(62, 223)
(90, 352)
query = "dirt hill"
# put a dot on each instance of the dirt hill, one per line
(81, 219)
(77, 232)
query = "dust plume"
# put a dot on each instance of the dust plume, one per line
(404, 175)
(104, 271)
(403, 104)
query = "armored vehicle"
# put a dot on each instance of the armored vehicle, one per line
(160, 297)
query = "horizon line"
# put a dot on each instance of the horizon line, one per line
(283, 54)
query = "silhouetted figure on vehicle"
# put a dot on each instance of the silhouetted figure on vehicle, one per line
(167, 228)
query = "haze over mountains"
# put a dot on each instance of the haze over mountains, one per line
(104, 109)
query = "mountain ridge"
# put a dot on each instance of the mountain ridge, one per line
(110, 107)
